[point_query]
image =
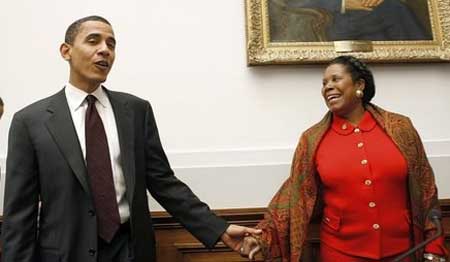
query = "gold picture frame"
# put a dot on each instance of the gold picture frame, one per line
(277, 32)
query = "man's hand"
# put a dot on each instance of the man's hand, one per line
(234, 236)
(250, 247)
(357, 5)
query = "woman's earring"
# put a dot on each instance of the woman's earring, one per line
(359, 93)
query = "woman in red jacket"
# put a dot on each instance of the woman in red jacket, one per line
(364, 171)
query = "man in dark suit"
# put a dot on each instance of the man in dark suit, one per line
(80, 162)
(1, 107)
(1, 113)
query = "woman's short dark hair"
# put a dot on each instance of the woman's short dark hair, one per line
(358, 70)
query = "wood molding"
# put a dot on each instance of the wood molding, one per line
(445, 207)
(240, 216)
(246, 216)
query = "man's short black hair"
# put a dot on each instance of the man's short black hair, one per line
(1, 102)
(73, 30)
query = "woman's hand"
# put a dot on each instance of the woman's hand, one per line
(234, 236)
(250, 247)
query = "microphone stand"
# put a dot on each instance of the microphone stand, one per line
(435, 217)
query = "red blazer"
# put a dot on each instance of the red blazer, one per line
(364, 178)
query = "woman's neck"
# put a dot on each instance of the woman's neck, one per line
(355, 116)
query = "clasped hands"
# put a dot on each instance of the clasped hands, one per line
(241, 240)
(364, 5)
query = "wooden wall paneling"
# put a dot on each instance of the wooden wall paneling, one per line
(175, 244)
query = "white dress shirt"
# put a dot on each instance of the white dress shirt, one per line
(76, 98)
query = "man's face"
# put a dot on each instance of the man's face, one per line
(91, 55)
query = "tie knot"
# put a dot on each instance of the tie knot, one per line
(91, 99)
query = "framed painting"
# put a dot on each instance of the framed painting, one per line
(315, 31)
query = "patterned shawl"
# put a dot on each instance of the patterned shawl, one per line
(286, 222)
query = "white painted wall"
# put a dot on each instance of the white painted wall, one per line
(229, 130)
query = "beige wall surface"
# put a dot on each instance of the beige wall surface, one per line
(229, 130)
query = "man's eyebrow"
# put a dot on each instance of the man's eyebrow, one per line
(93, 35)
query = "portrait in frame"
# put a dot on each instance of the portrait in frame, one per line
(315, 31)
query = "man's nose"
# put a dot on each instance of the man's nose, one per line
(104, 49)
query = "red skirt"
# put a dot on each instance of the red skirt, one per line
(329, 254)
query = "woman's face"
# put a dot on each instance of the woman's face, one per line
(339, 90)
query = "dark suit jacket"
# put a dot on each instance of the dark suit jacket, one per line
(45, 164)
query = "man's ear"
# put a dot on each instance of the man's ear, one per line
(65, 49)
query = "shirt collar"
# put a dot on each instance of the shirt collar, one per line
(343, 127)
(77, 97)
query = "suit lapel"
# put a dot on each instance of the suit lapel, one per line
(60, 126)
(125, 129)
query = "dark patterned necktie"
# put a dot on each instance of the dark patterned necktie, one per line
(100, 173)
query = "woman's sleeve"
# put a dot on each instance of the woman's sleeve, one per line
(286, 221)
(430, 198)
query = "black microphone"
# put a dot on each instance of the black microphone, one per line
(435, 217)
